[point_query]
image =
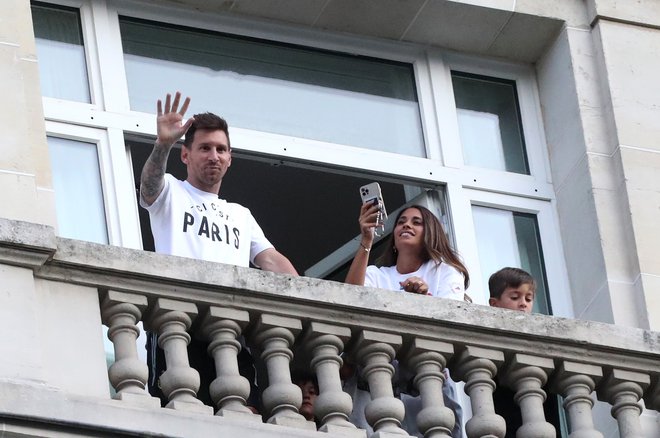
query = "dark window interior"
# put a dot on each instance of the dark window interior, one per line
(307, 213)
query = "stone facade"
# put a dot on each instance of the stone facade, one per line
(596, 64)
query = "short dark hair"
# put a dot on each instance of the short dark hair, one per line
(299, 377)
(509, 277)
(208, 121)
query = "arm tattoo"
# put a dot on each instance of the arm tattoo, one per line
(152, 179)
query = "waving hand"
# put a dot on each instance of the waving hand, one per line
(169, 121)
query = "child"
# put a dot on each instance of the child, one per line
(512, 288)
(310, 391)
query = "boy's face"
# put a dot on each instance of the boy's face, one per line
(309, 394)
(515, 298)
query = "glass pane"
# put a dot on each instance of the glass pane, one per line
(489, 123)
(506, 238)
(78, 196)
(61, 53)
(276, 88)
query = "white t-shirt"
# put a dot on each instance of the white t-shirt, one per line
(444, 280)
(189, 222)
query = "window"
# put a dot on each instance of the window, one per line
(61, 52)
(507, 238)
(489, 122)
(277, 88)
(78, 196)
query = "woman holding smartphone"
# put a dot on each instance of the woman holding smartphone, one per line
(417, 259)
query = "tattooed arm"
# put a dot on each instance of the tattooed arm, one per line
(170, 130)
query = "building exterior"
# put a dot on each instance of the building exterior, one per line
(530, 127)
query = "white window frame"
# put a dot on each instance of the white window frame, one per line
(546, 216)
(528, 101)
(113, 180)
(91, 52)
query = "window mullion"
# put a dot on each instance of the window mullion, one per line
(557, 275)
(488, 180)
(532, 123)
(445, 110)
(92, 53)
(111, 65)
(423, 80)
(124, 192)
(460, 211)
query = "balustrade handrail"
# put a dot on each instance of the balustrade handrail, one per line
(205, 283)
(485, 347)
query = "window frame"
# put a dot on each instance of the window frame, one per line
(87, 24)
(528, 101)
(97, 139)
(547, 220)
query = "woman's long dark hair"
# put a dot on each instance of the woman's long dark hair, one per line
(436, 245)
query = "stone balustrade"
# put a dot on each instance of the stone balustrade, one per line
(320, 324)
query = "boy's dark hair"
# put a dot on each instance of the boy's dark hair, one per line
(208, 121)
(299, 376)
(508, 277)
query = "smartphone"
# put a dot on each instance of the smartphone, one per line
(371, 193)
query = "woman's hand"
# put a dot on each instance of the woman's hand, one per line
(358, 269)
(368, 221)
(415, 285)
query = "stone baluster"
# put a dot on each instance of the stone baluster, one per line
(623, 390)
(375, 352)
(333, 406)
(427, 358)
(282, 399)
(229, 391)
(575, 382)
(526, 375)
(477, 366)
(171, 319)
(121, 311)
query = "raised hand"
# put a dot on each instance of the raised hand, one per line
(368, 221)
(169, 120)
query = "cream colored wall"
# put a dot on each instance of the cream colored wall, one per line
(71, 341)
(19, 327)
(631, 57)
(573, 117)
(25, 175)
(601, 106)
(645, 12)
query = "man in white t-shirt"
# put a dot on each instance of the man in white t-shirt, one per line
(188, 218)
